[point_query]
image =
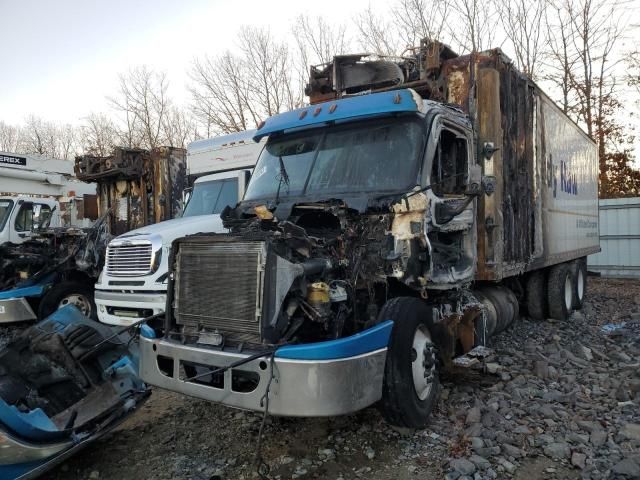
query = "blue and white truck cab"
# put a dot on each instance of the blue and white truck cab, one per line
(383, 236)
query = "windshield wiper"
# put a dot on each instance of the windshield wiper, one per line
(283, 177)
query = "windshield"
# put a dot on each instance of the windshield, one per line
(373, 156)
(211, 197)
(5, 210)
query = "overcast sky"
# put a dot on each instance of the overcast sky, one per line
(59, 59)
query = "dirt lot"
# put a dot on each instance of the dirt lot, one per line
(560, 401)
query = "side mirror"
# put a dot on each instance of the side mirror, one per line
(186, 195)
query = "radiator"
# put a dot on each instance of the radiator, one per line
(218, 286)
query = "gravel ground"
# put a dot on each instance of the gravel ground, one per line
(559, 400)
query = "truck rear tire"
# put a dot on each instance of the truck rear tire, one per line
(560, 291)
(69, 293)
(579, 273)
(536, 295)
(411, 382)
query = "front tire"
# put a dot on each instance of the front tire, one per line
(69, 293)
(560, 291)
(411, 382)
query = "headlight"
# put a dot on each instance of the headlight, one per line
(157, 260)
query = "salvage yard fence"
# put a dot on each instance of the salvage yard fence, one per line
(619, 239)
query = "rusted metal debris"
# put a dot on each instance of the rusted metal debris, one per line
(139, 187)
(66, 251)
(480, 84)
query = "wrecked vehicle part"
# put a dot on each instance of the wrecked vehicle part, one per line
(55, 267)
(139, 187)
(319, 275)
(430, 231)
(59, 392)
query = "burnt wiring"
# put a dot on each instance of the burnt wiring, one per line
(262, 467)
(120, 332)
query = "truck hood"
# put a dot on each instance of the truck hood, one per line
(179, 227)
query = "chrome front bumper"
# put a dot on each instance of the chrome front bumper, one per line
(300, 388)
(136, 303)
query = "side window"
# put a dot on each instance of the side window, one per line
(450, 164)
(228, 195)
(41, 215)
(24, 219)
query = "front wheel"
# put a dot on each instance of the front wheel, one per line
(411, 382)
(69, 293)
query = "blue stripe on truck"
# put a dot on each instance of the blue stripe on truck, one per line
(343, 110)
(368, 340)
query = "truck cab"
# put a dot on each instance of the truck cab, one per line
(133, 282)
(21, 215)
(388, 231)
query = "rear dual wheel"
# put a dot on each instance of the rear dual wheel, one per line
(560, 291)
(579, 273)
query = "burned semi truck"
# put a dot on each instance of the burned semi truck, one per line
(392, 226)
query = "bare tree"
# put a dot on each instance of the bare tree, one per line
(317, 41)
(584, 43)
(221, 94)
(98, 134)
(633, 70)
(269, 72)
(418, 19)
(523, 23)
(376, 34)
(236, 92)
(474, 29)
(9, 137)
(66, 141)
(179, 128)
(560, 57)
(143, 100)
(34, 139)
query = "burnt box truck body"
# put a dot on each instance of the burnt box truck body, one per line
(389, 228)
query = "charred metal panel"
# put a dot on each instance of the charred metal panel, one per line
(138, 187)
(532, 156)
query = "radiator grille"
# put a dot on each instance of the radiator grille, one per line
(218, 286)
(129, 260)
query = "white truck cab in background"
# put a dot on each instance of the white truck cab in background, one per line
(133, 283)
(37, 191)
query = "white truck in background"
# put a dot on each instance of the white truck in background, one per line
(37, 191)
(133, 283)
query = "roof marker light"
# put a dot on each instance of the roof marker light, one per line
(302, 114)
(333, 107)
(397, 99)
(317, 111)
